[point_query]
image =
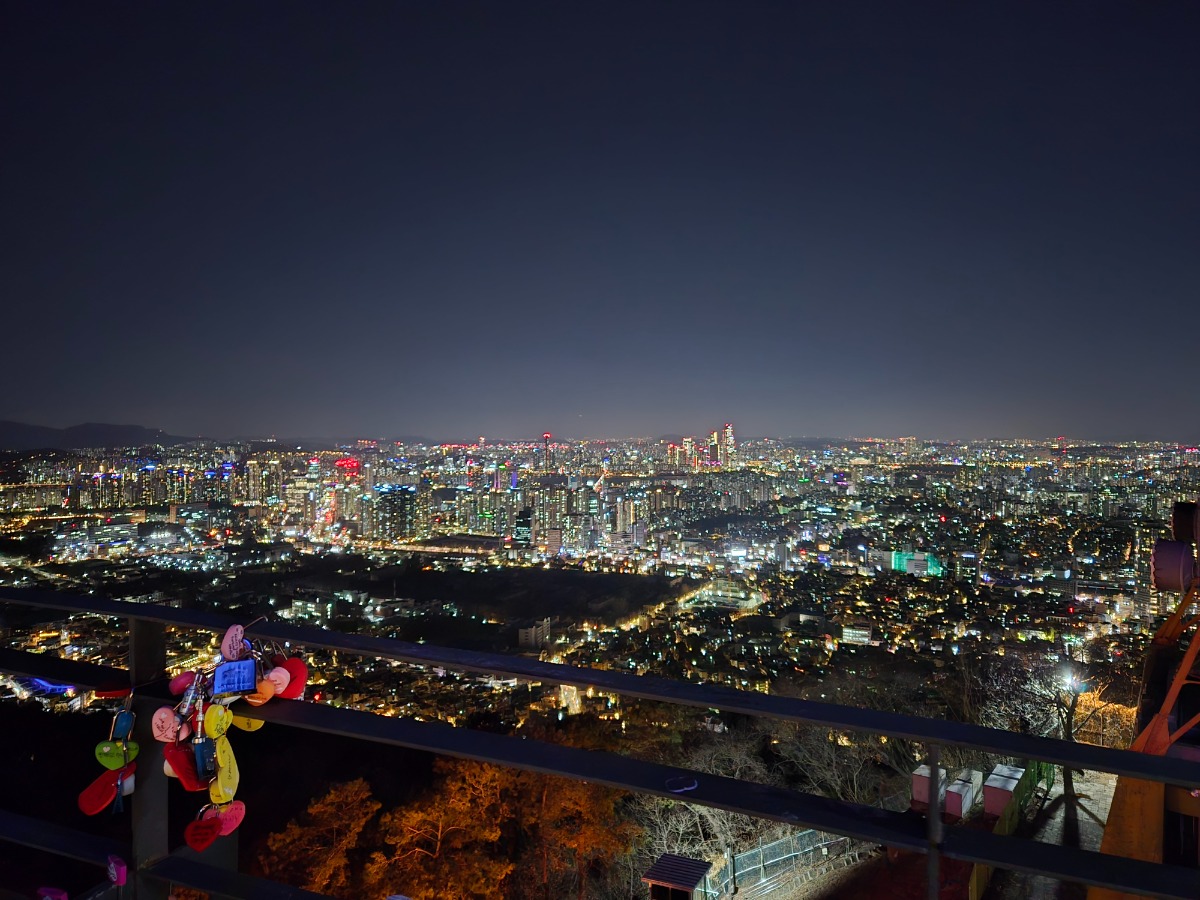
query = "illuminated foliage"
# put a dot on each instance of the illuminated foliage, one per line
(1107, 724)
(573, 831)
(315, 853)
(444, 845)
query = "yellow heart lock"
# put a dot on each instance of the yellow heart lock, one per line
(225, 757)
(224, 786)
(245, 723)
(216, 721)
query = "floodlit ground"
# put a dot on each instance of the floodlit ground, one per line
(1077, 822)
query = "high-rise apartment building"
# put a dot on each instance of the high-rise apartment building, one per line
(395, 514)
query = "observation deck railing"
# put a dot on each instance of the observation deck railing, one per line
(153, 865)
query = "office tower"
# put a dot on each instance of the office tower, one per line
(523, 527)
(689, 452)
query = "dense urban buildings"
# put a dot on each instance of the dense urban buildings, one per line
(892, 543)
(952, 579)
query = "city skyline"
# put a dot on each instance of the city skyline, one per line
(24, 437)
(809, 220)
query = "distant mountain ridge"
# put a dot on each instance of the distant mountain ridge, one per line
(90, 435)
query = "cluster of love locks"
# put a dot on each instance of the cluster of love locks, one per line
(194, 733)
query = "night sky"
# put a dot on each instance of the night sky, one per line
(602, 219)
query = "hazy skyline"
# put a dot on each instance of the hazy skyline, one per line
(601, 220)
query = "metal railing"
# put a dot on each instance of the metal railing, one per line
(154, 866)
(770, 860)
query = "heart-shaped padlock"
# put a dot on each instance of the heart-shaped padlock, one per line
(264, 691)
(166, 726)
(299, 672)
(231, 645)
(224, 786)
(280, 677)
(183, 763)
(100, 794)
(115, 754)
(247, 724)
(217, 720)
(231, 816)
(181, 682)
(200, 834)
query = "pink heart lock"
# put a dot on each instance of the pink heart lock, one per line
(167, 727)
(230, 815)
(299, 672)
(181, 682)
(231, 644)
(280, 677)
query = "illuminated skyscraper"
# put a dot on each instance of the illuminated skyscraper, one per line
(689, 452)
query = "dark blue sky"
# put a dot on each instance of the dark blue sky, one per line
(602, 219)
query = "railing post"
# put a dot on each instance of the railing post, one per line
(147, 663)
(934, 825)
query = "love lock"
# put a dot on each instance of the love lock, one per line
(101, 793)
(217, 720)
(200, 834)
(181, 682)
(115, 754)
(247, 724)
(204, 753)
(232, 647)
(206, 761)
(264, 691)
(122, 724)
(299, 672)
(168, 727)
(182, 761)
(225, 785)
(280, 677)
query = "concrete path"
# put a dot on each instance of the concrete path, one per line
(1077, 822)
(1050, 818)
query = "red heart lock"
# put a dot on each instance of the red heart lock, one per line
(99, 795)
(182, 760)
(299, 671)
(200, 834)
